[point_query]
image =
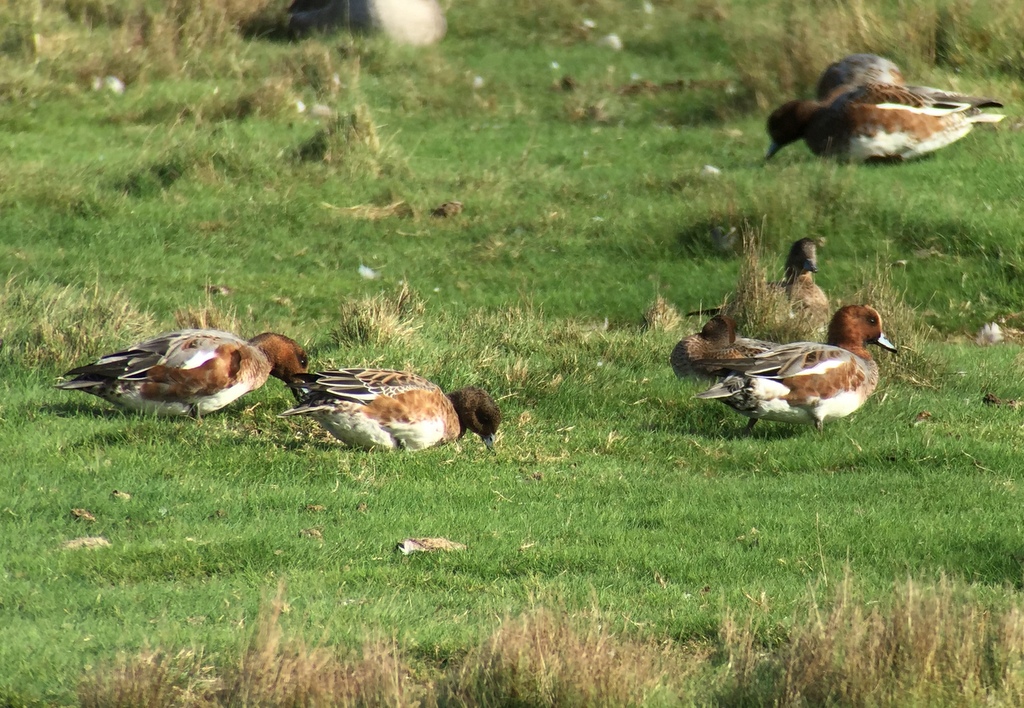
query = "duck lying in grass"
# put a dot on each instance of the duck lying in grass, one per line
(878, 122)
(717, 340)
(806, 298)
(189, 372)
(379, 408)
(858, 70)
(806, 382)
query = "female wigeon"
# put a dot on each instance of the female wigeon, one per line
(856, 70)
(717, 340)
(798, 283)
(806, 297)
(371, 408)
(189, 372)
(807, 382)
(877, 122)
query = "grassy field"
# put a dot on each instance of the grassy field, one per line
(625, 544)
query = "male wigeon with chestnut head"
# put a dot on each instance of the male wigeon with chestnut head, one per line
(188, 372)
(807, 382)
(380, 408)
(877, 122)
(717, 340)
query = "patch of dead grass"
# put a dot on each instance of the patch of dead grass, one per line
(904, 327)
(780, 51)
(208, 315)
(662, 316)
(925, 646)
(541, 658)
(351, 143)
(760, 308)
(380, 319)
(52, 325)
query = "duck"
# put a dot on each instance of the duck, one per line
(807, 299)
(188, 372)
(716, 340)
(877, 123)
(391, 410)
(856, 70)
(806, 382)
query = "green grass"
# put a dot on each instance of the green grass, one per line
(613, 492)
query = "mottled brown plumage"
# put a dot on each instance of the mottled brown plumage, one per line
(381, 408)
(717, 340)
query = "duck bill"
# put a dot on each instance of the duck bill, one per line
(810, 267)
(884, 343)
(772, 149)
(298, 390)
(488, 441)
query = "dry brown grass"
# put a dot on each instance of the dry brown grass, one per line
(271, 672)
(662, 316)
(780, 50)
(925, 646)
(208, 315)
(541, 659)
(153, 679)
(371, 212)
(930, 644)
(381, 319)
(47, 324)
(904, 327)
(761, 309)
(350, 143)
(274, 672)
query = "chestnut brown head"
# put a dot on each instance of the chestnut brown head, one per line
(477, 412)
(287, 358)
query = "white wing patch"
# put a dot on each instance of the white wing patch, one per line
(767, 389)
(821, 367)
(929, 111)
(199, 358)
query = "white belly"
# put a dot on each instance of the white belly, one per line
(358, 430)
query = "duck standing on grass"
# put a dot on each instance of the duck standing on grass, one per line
(189, 372)
(379, 408)
(806, 382)
(717, 340)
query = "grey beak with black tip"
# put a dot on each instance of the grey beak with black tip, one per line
(772, 149)
(884, 343)
(488, 441)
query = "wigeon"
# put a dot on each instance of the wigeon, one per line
(806, 297)
(378, 408)
(857, 70)
(189, 372)
(717, 340)
(798, 283)
(877, 122)
(807, 382)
